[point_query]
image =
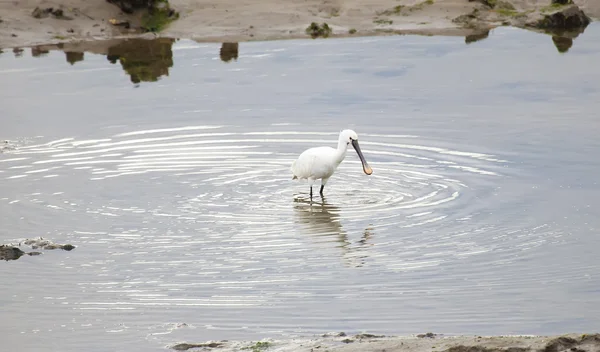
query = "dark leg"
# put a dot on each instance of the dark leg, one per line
(321, 191)
(311, 192)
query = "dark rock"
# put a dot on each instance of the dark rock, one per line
(562, 2)
(187, 346)
(427, 335)
(560, 344)
(130, 6)
(566, 17)
(67, 247)
(56, 13)
(39, 13)
(368, 336)
(229, 51)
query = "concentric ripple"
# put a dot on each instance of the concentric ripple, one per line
(209, 218)
(244, 178)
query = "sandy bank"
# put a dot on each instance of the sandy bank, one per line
(421, 343)
(244, 20)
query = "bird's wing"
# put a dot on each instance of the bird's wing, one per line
(311, 162)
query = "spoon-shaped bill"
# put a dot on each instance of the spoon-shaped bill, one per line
(366, 168)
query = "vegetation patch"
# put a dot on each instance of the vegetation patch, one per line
(396, 10)
(510, 13)
(157, 18)
(554, 7)
(258, 347)
(314, 30)
(157, 14)
(352, 31)
(383, 21)
(421, 5)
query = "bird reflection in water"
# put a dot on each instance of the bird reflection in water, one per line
(322, 221)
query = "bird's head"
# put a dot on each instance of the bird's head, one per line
(350, 137)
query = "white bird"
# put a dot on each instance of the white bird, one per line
(321, 162)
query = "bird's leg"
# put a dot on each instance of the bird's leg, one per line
(321, 191)
(310, 192)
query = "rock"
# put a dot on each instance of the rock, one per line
(368, 336)
(429, 335)
(129, 6)
(229, 51)
(565, 343)
(187, 346)
(562, 17)
(39, 13)
(56, 13)
(562, 2)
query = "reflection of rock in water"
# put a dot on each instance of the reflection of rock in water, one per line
(563, 44)
(10, 253)
(37, 51)
(229, 51)
(144, 60)
(563, 39)
(73, 57)
(476, 37)
(41, 243)
(18, 52)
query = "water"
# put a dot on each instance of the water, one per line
(481, 216)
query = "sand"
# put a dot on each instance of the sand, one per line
(245, 20)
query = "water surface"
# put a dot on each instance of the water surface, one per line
(481, 216)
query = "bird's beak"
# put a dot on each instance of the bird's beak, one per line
(366, 168)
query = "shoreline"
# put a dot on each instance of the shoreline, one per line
(428, 342)
(218, 21)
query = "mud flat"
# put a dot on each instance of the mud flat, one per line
(427, 342)
(34, 22)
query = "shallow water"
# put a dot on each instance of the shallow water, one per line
(481, 216)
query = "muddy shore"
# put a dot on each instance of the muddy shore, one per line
(427, 342)
(245, 20)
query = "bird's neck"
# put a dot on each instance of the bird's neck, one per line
(341, 150)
